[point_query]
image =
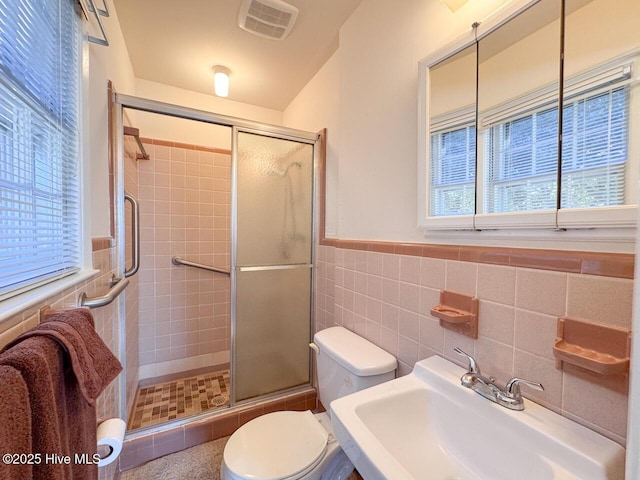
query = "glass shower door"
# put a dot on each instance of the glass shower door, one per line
(272, 261)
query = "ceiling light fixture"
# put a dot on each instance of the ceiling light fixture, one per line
(454, 4)
(221, 80)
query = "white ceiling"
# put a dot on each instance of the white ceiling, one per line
(178, 43)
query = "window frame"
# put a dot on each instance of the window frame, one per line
(41, 291)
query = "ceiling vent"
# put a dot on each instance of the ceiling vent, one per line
(272, 19)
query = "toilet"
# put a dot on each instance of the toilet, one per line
(292, 445)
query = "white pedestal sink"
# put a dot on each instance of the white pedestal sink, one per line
(427, 426)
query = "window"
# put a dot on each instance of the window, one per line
(39, 146)
(595, 149)
(453, 171)
(522, 156)
(522, 162)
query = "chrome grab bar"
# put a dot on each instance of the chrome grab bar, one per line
(117, 286)
(135, 227)
(179, 261)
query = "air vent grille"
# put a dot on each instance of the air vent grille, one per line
(267, 18)
(269, 14)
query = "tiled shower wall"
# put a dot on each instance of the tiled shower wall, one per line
(184, 195)
(386, 298)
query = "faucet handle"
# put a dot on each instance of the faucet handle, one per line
(513, 386)
(473, 365)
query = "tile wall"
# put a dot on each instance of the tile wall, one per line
(184, 195)
(386, 297)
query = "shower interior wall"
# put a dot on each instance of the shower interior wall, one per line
(184, 312)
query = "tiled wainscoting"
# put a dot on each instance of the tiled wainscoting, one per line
(386, 298)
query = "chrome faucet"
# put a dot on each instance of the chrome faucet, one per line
(509, 397)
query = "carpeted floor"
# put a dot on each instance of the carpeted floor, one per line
(201, 462)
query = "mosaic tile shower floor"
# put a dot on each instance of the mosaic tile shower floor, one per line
(179, 398)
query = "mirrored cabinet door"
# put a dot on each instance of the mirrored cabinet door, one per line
(600, 112)
(518, 101)
(452, 136)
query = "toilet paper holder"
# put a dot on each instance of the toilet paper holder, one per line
(110, 435)
(108, 448)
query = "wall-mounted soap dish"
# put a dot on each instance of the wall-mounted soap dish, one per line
(598, 348)
(457, 312)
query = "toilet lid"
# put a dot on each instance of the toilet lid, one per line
(276, 445)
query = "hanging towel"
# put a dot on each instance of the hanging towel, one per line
(65, 366)
(15, 422)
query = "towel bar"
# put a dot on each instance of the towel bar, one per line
(117, 286)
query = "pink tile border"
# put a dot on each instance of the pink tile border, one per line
(618, 265)
(101, 243)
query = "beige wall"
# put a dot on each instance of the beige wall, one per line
(104, 64)
(380, 46)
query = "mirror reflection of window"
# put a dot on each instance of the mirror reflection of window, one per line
(452, 135)
(542, 150)
(599, 93)
(518, 80)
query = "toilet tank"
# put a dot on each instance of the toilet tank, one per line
(347, 363)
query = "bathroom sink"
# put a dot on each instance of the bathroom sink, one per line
(427, 426)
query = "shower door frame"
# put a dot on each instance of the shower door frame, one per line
(122, 101)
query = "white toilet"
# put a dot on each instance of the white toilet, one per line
(300, 445)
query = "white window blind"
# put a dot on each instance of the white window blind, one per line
(522, 164)
(595, 149)
(522, 146)
(452, 165)
(39, 174)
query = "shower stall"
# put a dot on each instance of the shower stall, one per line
(219, 235)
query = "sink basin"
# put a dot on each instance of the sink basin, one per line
(427, 426)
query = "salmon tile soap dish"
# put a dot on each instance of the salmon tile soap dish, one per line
(598, 348)
(457, 312)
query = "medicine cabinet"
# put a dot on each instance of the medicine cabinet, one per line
(531, 120)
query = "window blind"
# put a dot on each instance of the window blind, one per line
(595, 149)
(522, 150)
(522, 164)
(452, 171)
(39, 172)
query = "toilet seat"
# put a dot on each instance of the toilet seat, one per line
(276, 446)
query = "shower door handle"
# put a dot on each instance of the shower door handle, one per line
(135, 234)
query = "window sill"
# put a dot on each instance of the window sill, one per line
(18, 304)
